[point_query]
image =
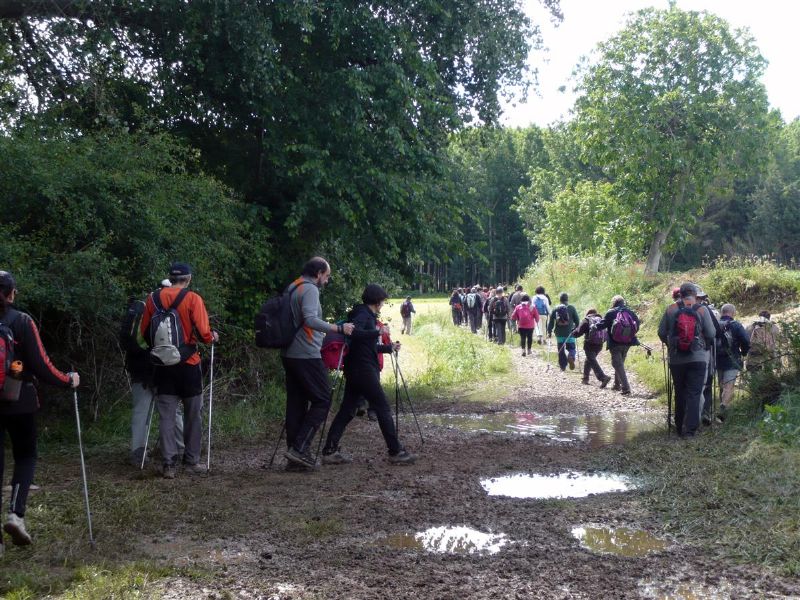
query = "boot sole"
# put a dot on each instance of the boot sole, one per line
(17, 536)
(296, 461)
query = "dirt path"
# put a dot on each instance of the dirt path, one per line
(348, 531)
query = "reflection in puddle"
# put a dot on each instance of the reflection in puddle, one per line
(596, 430)
(564, 485)
(622, 541)
(449, 540)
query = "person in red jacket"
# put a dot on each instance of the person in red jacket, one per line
(19, 402)
(527, 318)
(183, 381)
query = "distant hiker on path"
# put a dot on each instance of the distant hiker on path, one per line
(500, 312)
(622, 325)
(182, 380)
(763, 335)
(25, 355)
(730, 356)
(308, 390)
(474, 305)
(406, 312)
(563, 321)
(362, 379)
(542, 303)
(595, 337)
(456, 307)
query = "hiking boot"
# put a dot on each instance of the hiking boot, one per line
(196, 469)
(705, 419)
(523, 353)
(15, 527)
(300, 458)
(135, 457)
(571, 362)
(625, 393)
(616, 387)
(722, 413)
(337, 457)
(604, 382)
(372, 415)
(404, 457)
(585, 381)
(168, 472)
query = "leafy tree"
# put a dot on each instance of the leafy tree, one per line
(667, 100)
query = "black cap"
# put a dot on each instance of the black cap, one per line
(7, 283)
(180, 269)
(564, 297)
(688, 289)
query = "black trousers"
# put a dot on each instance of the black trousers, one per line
(590, 362)
(308, 398)
(365, 384)
(525, 338)
(688, 381)
(500, 331)
(21, 429)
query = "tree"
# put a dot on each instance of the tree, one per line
(666, 101)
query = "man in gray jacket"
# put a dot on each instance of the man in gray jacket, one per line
(688, 331)
(308, 392)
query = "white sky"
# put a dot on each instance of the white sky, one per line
(773, 23)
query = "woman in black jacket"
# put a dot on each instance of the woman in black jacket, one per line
(362, 378)
(19, 403)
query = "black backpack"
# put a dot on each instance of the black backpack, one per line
(500, 309)
(274, 323)
(129, 329)
(562, 315)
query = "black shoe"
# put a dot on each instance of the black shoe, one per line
(585, 381)
(300, 458)
(372, 415)
(705, 419)
(616, 388)
(404, 457)
(625, 393)
(604, 382)
(571, 362)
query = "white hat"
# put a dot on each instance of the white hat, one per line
(166, 283)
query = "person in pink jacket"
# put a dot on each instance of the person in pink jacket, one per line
(527, 317)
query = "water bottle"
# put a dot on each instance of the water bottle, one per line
(13, 386)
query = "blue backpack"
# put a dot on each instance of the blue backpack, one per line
(541, 306)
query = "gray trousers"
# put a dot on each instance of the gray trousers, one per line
(192, 428)
(407, 325)
(618, 355)
(142, 396)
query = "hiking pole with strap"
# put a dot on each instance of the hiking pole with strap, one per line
(83, 469)
(396, 397)
(408, 399)
(210, 405)
(149, 424)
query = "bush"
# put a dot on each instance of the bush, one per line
(751, 283)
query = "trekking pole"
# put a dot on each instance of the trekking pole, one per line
(668, 386)
(336, 391)
(83, 469)
(278, 443)
(408, 400)
(149, 423)
(210, 404)
(396, 397)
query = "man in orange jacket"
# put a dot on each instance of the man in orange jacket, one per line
(182, 381)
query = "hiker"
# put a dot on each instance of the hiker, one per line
(730, 356)
(483, 296)
(474, 304)
(542, 303)
(688, 332)
(527, 319)
(499, 311)
(563, 321)
(19, 401)
(308, 391)
(455, 307)
(141, 370)
(406, 310)
(362, 378)
(513, 302)
(487, 311)
(595, 337)
(181, 382)
(622, 325)
(763, 335)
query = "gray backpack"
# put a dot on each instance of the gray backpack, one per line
(167, 345)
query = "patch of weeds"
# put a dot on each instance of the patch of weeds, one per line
(99, 583)
(317, 527)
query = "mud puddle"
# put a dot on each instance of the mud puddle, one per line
(596, 430)
(620, 541)
(448, 540)
(564, 485)
(687, 591)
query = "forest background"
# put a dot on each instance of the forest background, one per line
(245, 137)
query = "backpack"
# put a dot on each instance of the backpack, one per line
(471, 300)
(596, 337)
(405, 310)
(624, 327)
(500, 309)
(334, 347)
(687, 329)
(167, 343)
(762, 340)
(9, 387)
(129, 329)
(725, 342)
(541, 306)
(562, 315)
(274, 323)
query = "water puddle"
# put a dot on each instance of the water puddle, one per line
(622, 541)
(565, 485)
(449, 540)
(688, 591)
(595, 430)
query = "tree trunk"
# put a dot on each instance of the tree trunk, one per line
(654, 256)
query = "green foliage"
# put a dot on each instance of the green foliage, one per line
(781, 423)
(752, 283)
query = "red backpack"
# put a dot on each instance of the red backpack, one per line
(7, 345)
(687, 328)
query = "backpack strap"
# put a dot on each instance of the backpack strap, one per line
(11, 316)
(181, 295)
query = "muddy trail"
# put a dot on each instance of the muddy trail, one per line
(458, 524)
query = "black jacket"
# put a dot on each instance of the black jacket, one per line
(362, 355)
